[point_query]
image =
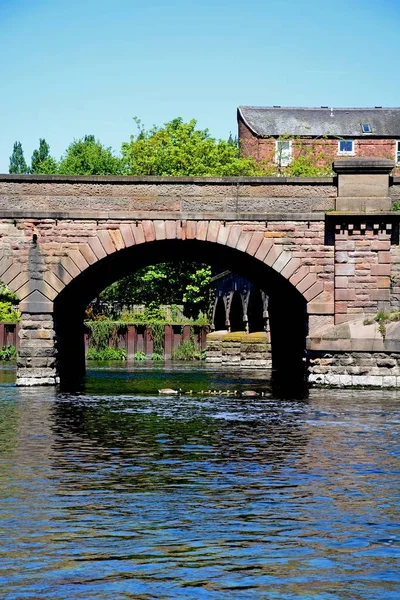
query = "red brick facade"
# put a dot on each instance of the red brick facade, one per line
(263, 149)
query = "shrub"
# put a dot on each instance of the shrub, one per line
(187, 351)
(8, 352)
(106, 354)
(139, 356)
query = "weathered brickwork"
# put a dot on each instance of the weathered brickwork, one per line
(264, 149)
(362, 269)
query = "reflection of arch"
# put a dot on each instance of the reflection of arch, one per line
(84, 269)
(255, 310)
(236, 313)
(220, 315)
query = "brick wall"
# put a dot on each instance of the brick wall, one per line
(325, 151)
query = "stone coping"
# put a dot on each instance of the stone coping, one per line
(371, 165)
(130, 179)
(118, 215)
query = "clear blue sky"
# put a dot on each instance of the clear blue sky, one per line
(88, 66)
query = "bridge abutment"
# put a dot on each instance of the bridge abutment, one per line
(37, 355)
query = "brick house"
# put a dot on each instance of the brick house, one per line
(277, 136)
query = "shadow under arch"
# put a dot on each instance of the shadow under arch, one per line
(236, 313)
(287, 306)
(220, 315)
(255, 311)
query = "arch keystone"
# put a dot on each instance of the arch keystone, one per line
(138, 233)
(159, 227)
(213, 229)
(171, 230)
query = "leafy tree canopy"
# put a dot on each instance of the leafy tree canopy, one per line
(17, 160)
(88, 156)
(164, 283)
(179, 148)
(41, 161)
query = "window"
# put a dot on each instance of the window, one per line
(398, 152)
(283, 153)
(346, 147)
(366, 128)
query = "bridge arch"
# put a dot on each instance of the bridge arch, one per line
(65, 286)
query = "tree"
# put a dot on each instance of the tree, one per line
(17, 160)
(179, 148)
(41, 161)
(165, 283)
(88, 156)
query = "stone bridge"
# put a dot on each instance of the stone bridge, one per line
(324, 250)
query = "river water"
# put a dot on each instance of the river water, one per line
(117, 492)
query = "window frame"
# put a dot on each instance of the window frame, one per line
(278, 153)
(397, 152)
(346, 152)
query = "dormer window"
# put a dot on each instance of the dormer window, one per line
(346, 147)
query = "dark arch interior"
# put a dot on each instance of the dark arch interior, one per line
(236, 313)
(220, 315)
(287, 307)
(255, 311)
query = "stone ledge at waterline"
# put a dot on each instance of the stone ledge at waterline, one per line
(354, 354)
(239, 349)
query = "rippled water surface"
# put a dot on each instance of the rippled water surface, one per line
(113, 493)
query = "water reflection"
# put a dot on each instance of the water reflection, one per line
(111, 495)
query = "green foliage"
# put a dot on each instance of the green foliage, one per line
(88, 156)
(383, 318)
(187, 351)
(41, 161)
(179, 148)
(157, 330)
(310, 158)
(396, 206)
(8, 314)
(157, 357)
(102, 331)
(17, 160)
(8, 352)
(6, 295)
(165, 283)
(196, 292)
(108, 353)
(139, 356)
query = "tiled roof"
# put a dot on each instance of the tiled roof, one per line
(275, 121)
